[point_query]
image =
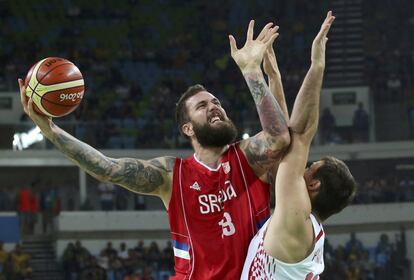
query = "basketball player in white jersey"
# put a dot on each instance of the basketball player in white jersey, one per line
(290, 243)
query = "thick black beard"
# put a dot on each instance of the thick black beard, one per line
(215, 137)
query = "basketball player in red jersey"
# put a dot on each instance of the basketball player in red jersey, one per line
(290, 244)
(217, 198)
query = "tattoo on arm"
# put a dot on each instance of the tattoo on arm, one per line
(270, 113)
(257, 89)
(133, 174)
(262, 150)
(167, 167)
(136, 175)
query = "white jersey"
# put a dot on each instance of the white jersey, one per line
(261, 266)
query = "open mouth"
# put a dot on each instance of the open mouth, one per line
(215, 119)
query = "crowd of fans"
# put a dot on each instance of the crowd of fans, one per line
(14, 265)
(39, 203)
(140, 262)
(134, 79)
(353, 261)
(387, 260)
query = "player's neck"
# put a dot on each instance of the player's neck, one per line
(210, 156)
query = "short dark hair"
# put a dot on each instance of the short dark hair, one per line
(337, 188)
(181, 111)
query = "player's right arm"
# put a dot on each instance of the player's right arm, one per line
(289, 236)
(151, 177)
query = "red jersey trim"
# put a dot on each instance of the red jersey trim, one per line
(192, 256)
(247, 189)
(319, 235)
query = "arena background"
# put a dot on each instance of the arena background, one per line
(137, 57)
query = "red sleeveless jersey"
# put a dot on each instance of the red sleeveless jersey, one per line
(213, 214)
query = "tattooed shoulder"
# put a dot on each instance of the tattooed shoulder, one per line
(141, 176)
(164, 163)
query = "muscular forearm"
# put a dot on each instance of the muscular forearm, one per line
(271, 115)
(83, 155)
(147, 177)
(305, 115)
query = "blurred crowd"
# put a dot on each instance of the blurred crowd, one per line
(156, 50)
(138, 263)
(14, 265)
(351, 261)
(354, 261)
(39, 203)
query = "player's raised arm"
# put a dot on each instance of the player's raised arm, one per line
(290, 235)
(141, 176)
(272, 71)
(262, 149)
(305, 114)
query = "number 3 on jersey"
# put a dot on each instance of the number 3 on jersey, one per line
(227, 225)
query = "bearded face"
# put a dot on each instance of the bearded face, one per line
(210, 125)
(216, 133)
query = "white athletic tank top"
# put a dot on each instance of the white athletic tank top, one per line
(260, 266)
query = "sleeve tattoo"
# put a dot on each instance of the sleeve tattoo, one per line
(265, 146)
(134, 174)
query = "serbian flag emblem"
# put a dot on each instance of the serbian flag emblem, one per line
(181, 249)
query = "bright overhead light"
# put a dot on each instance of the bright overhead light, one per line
(25, 139)
(245, 136)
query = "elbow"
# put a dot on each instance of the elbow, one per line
(281, 142)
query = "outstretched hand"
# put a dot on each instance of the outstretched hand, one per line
(319, 43)
(41, 121)
(250, 56)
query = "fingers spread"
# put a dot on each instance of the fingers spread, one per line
(264, 31)
(270, 34)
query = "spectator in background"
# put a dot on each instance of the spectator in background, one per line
(360, 124)
(24, 207)
(81, 255)
(69, 265)
(367, 266)
(353, 244)
(153, 255)
(106, 195)
(48, 205)
(92, 271)
(5, 200)
(123, 252)
(327, 126)
(20, 263)
(140, 249)
(382, 257)
(108, 250)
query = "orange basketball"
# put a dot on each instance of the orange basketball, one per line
(56, 86)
